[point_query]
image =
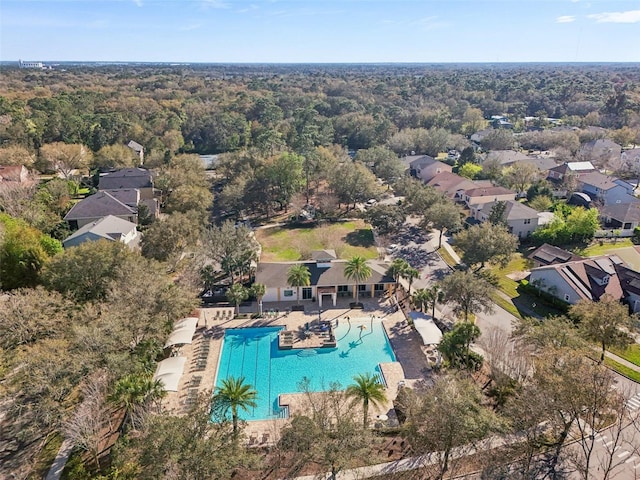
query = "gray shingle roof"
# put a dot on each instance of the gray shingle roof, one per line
(275, 274)
(99, 205)
(126, 178)
(109, 227)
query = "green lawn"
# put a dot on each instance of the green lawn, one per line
(630, 354)
(448, 259)
(606, 247)
(622, 370)
(283, 244)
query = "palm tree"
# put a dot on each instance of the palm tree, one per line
(410, 274)
(299, 276)
(434, 296)
(237, 294)
(234, 394)
(397, 267)
(367, 390)
(420, 299)
(134, 391)
(358, 271)
(259, 289)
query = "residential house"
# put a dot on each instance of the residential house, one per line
(478, 195)
(631, 158)
(139, 149)
(505, 157)
(14, 173)
(621, 216)
(426, 167)
(133, 198)
(577, 169)
(521, 220)
(453, 185)
(606, 190)
(328, 280)
(589, 279)
(550, 255)
(94, 207)
(500, 121)
(129, 178)
(600, 151)
(109, 228)
(480, 135)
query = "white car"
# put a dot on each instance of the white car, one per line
(392, 248)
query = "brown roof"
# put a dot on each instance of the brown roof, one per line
(450, 183)
(275, 274)
(549, 254)
(488, 191)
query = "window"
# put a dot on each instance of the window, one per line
(566, 297)
(307, 293)
(343, 288)
(378, 287)
(288, 293)
(627, 226)
(527, 221)
(362, 288)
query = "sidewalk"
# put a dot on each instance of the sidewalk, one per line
(60, 461)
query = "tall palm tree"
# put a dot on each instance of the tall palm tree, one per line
(234, 394)
(259, 289)
(366, 389)
(237, 294)
(410, 274)
(434, 296)
(358, 271)
(299, 276)
(397, 267)
(420, 299)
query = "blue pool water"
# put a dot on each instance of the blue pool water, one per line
(253, 353)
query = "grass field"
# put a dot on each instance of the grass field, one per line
(283, 244)
(606, 247)
(621, 369)
(630, 354)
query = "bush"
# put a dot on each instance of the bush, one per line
(545, 297)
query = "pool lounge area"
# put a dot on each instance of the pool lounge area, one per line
(407, 349)
(356, 346)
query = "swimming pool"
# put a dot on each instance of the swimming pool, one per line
(253, 353)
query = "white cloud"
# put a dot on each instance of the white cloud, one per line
(566, 19)
(630, 16)
(138, 2)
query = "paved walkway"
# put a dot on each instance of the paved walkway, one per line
(60, 461)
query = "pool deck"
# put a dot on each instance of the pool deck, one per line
(411, 369)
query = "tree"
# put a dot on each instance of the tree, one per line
(358, 271)
(486, 243)
(84, 272)
(497, 215)
(66, 157)
(396, 269)
(299, 276)
(115, 156)
(470, 170)
(353, 182)
(472, 121)
(410, 274)
(186, 198)
(433, 296)
(467, 292)
(16, 155)
(444, 216)
(500, 139)
(520, 176)
(285, 177)
(233, 248)
(367, 389)
(234, 395)
(604, 322)
(327, 433)
(136, 393)
(236, 294)
(24, 252)
(468, 155)
(167, 239)
(420, 299)
(384, 162)
(258, 290)
(446, 416)
(386, 219)
(455, 346)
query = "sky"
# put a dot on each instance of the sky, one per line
(320, 31)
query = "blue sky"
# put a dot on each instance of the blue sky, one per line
(321, 30)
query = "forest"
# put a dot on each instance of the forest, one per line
(83, 327)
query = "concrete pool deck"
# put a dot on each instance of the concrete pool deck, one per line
(411, 368)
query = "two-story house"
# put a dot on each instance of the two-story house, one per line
(606, 190)
(110, 228)
(426, 167)
(576, 169)
(477, 195)
(127, 178)
(521, 220)
(94, 207)
(452, 185)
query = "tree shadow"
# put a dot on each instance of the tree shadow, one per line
(362, 237)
